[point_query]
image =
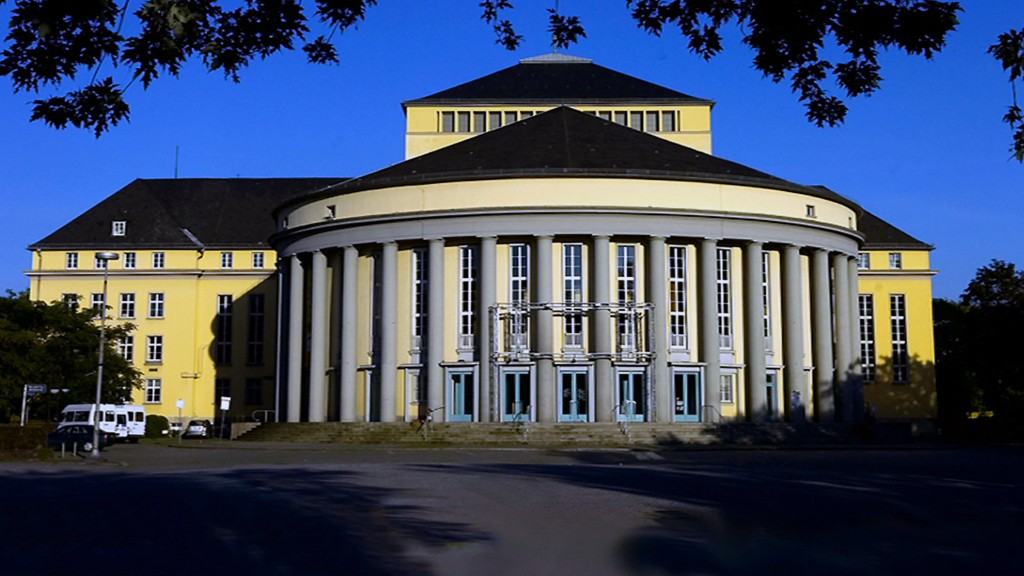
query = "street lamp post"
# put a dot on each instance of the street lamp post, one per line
(104, 257)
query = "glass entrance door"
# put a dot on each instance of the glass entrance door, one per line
(460, 396)
(516, 395)
(631, 397)
(771, 401)
(574, 397)
(686, 391)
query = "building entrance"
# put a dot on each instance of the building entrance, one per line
(687, 393)
(515, 399)
(632, 406)
(574, 396)
(461, 396)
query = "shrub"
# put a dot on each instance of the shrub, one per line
(156, 426)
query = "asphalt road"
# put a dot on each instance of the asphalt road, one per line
(214, 508)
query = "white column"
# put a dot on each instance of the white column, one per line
(318, 338)
(545, 343)
(754, 344)
(821, 330)
(487, 298)
(793, 378)
(388, 331)
(349, 321)
(855, 381)
(435, 327)
(710, 348)
(295, 308)
(660, 409)
(601, 330)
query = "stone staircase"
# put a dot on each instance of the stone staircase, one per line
(611, 434)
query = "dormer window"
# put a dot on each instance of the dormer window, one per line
(811, 211)
(118, 227)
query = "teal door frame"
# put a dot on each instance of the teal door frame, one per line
(461, 395)
(632, 397)
(686, 395)
(516, 394)
(573, 395)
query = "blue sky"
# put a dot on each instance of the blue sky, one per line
(928, 152)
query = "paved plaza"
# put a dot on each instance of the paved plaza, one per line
(218, 507)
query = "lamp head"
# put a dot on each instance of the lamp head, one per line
(107, 256)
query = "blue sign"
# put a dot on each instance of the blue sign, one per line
(33, 389)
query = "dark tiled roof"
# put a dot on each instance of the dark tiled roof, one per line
(556, 79)
(235, 212)
(881, 235)
(567, 142)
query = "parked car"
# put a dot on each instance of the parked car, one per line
(175, 429)
(197, 429)
(77, 437)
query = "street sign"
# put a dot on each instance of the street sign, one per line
(225, 403)
(33, 389)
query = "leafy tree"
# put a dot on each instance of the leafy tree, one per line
(978, 342)
(51, 41)
(56, 345)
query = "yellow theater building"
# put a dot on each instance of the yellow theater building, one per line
(560, 245)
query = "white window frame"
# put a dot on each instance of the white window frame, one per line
(866, 307)
(766, 293)
(99, 306)
(895, 260)
(723, 285)
(156, 305)
(727, 387)
(467, 296)
(227, 260)
(900, 350)
(101, 264)
(129, 261)
(159, 260)
(677, 286)
(572, 292)
(118, 227)
(258, 260)
(154, 349)
(418, 307)
(127, 308)
(71, 260)
(154, 391)
(519, 295)
(626, 295)
(126, 348)
(863, 261)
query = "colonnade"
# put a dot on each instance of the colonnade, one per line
(320, 340)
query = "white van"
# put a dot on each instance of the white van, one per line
(126, 422)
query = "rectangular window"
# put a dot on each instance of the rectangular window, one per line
(98, 305)
(101, 264)
(222, 330)
(895, 261)
(605, 115)
(253, 391)
(728, 388)
(464, 119)
(159, 260)
(494, 118)
(863, 261)
(127, 305)
(626, 295)
(467, 295)
(227, 259)
(519, 296)
(651, 122)
(677, 296)
(154, 349)
(767, 295)
(811, 212)
(479, 121)
(70, 300)
(572, 293)
(258, 260)
(117, 228)
(71, 260)
(257, 323)
(898, 319)
(510, 117)
(723, 277)
(668, 121)
(866, 304)
(620, 117)
(636, 120)
(156, 304)
(523, 115)
(221, 388)
(153, 390)
(419, 297)
(126, 348)
(447, 121)
(129, 260)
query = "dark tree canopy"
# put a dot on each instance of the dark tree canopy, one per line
(56, 345)
(50, 42)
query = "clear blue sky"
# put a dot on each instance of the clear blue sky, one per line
(928, 152)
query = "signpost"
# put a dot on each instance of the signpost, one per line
(225, 405)
(27, 392)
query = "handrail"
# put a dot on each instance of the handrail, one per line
(714, 410)
(521, 424)
(256, 415)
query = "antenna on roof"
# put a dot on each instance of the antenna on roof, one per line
(176, 150)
